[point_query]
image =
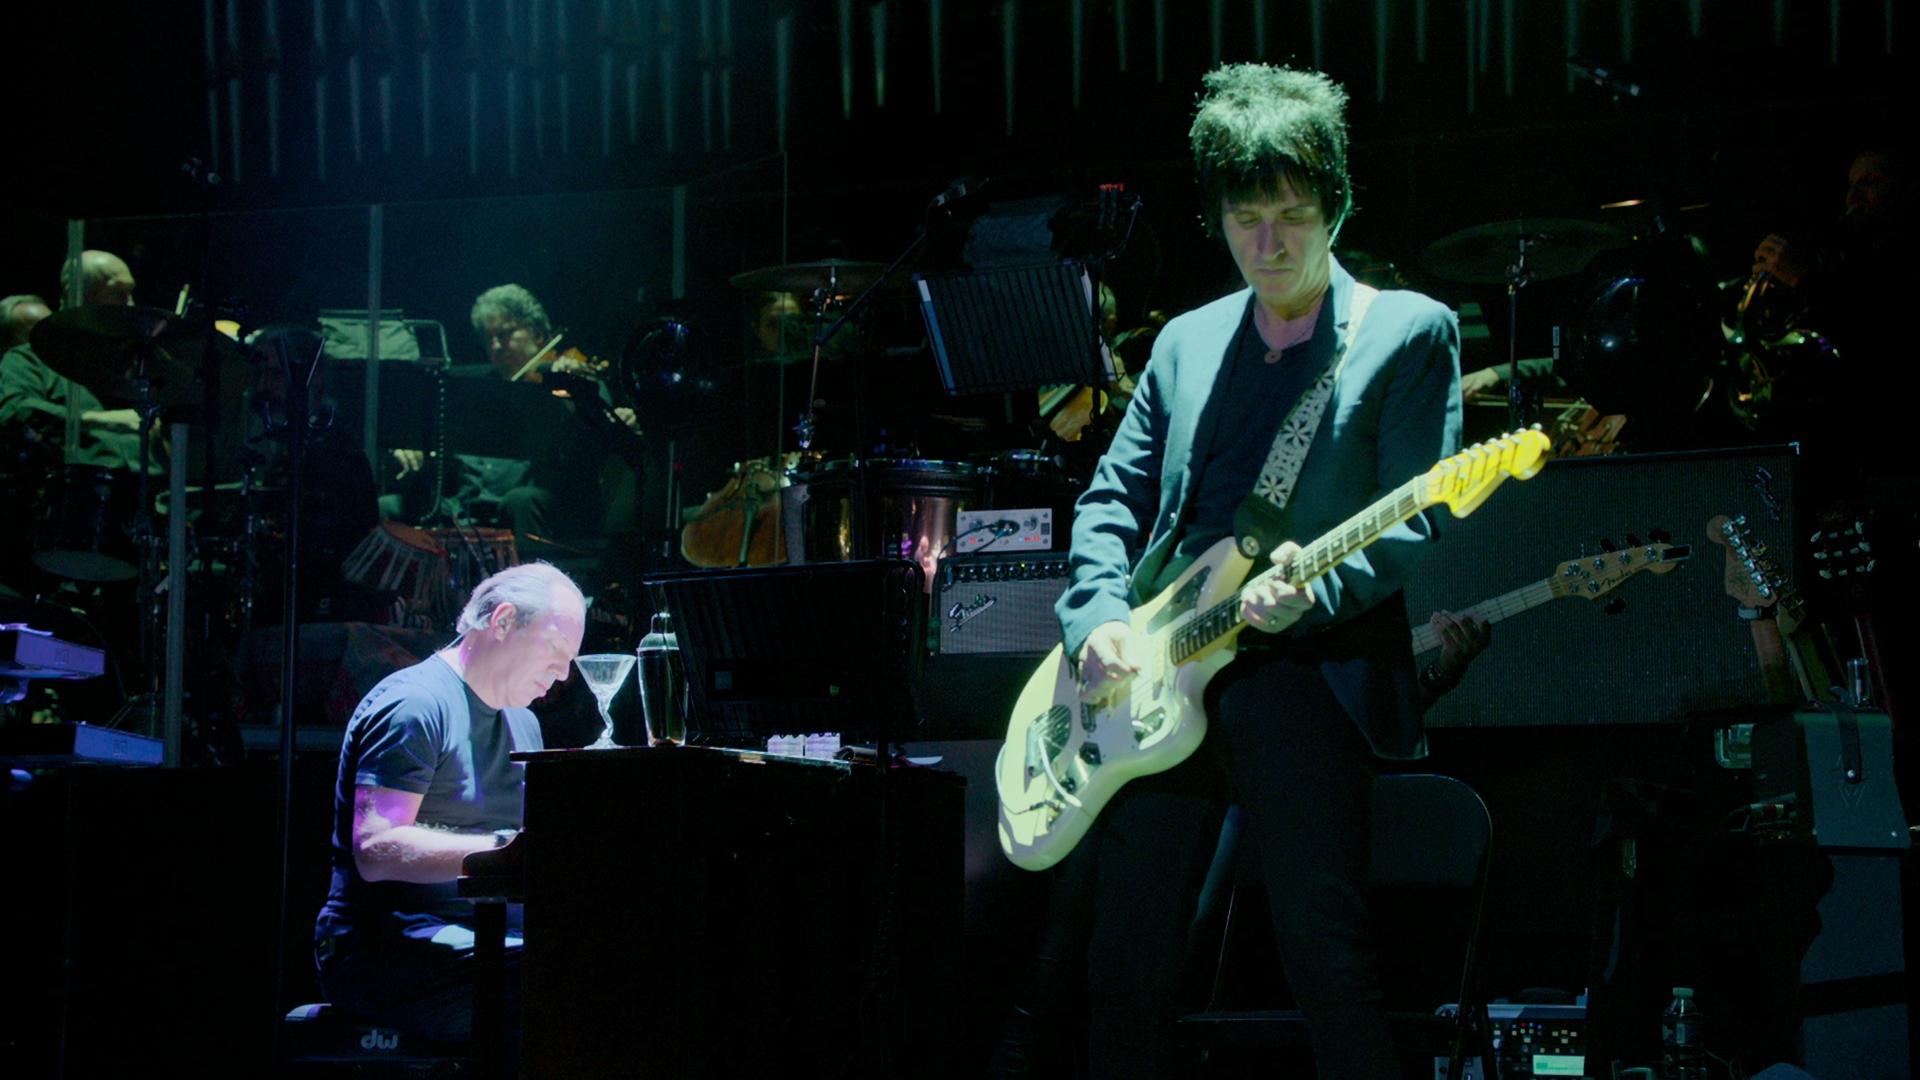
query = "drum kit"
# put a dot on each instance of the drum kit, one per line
(818, 504)
(94, 521)
(98, 521)
(1635, 332)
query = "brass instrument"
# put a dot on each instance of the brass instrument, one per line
(1773, 358)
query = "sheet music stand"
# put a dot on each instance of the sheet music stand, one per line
(1013, 328)
(789, 650)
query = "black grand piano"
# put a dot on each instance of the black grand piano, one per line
(695, 912)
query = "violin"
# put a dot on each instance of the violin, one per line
(575, 375)
(558, 361)
(572, 361)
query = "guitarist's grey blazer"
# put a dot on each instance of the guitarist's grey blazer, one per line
(1395, 411)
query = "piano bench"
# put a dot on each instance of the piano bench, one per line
(318, 1041)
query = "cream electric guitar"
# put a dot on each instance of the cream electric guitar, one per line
(1065, 757)
(1589, 577)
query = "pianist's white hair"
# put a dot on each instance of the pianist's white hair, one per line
(529, 587)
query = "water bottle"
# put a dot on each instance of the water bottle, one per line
(1681, 1055)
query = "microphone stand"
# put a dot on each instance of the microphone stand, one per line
(1518, 275)
(295, 371)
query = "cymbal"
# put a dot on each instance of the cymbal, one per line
(102, 347)
(840, 275)
(1555, 248)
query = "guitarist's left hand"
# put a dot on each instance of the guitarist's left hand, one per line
(1271, 605)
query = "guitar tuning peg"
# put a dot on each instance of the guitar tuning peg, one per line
(1660, 536)
(1607, 544)
(1615, 606)
(1633, 541)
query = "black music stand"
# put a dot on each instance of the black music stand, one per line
(1014, 328)
(794, 649)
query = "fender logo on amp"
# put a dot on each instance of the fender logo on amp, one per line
(960, 614)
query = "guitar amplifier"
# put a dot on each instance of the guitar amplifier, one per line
(999, 605)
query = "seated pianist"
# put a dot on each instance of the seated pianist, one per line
(424, 781)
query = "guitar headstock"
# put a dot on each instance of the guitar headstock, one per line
(1752, 577)
(1594, 576)
(1464, 480)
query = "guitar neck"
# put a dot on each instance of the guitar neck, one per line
(1775, 674)
(1314, 560)
(1490, 611)
(1363, 528)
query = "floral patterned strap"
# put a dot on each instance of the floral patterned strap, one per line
(1282, 470)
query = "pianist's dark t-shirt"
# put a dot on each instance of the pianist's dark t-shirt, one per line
(423, 730)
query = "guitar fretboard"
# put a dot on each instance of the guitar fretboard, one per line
(1317, 558)
(1506, 605)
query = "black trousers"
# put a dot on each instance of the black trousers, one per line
(1281, 746)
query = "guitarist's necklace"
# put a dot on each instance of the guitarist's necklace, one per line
(1280, 334)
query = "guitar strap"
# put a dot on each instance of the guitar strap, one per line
(1289, 452)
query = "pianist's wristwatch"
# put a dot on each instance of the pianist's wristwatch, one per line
(503, 837)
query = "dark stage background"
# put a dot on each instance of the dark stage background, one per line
(694, 164)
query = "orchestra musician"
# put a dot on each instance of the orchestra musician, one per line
(33, 395)
(558, 493)
(424, 781)
(1325, 685)
(1843, 283)
(19, 315)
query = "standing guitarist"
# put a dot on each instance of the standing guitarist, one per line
(1302, 713)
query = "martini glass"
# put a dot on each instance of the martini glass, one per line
(604, 672)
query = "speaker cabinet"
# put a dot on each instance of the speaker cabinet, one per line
(1656, 647)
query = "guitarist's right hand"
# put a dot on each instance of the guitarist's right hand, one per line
(1108, 661)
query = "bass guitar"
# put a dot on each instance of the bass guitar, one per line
(1588, 577)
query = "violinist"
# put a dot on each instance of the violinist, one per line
(557, 494)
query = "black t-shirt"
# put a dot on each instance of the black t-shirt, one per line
(423, 730)
(1254, 397)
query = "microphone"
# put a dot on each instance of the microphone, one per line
(1606, 79)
